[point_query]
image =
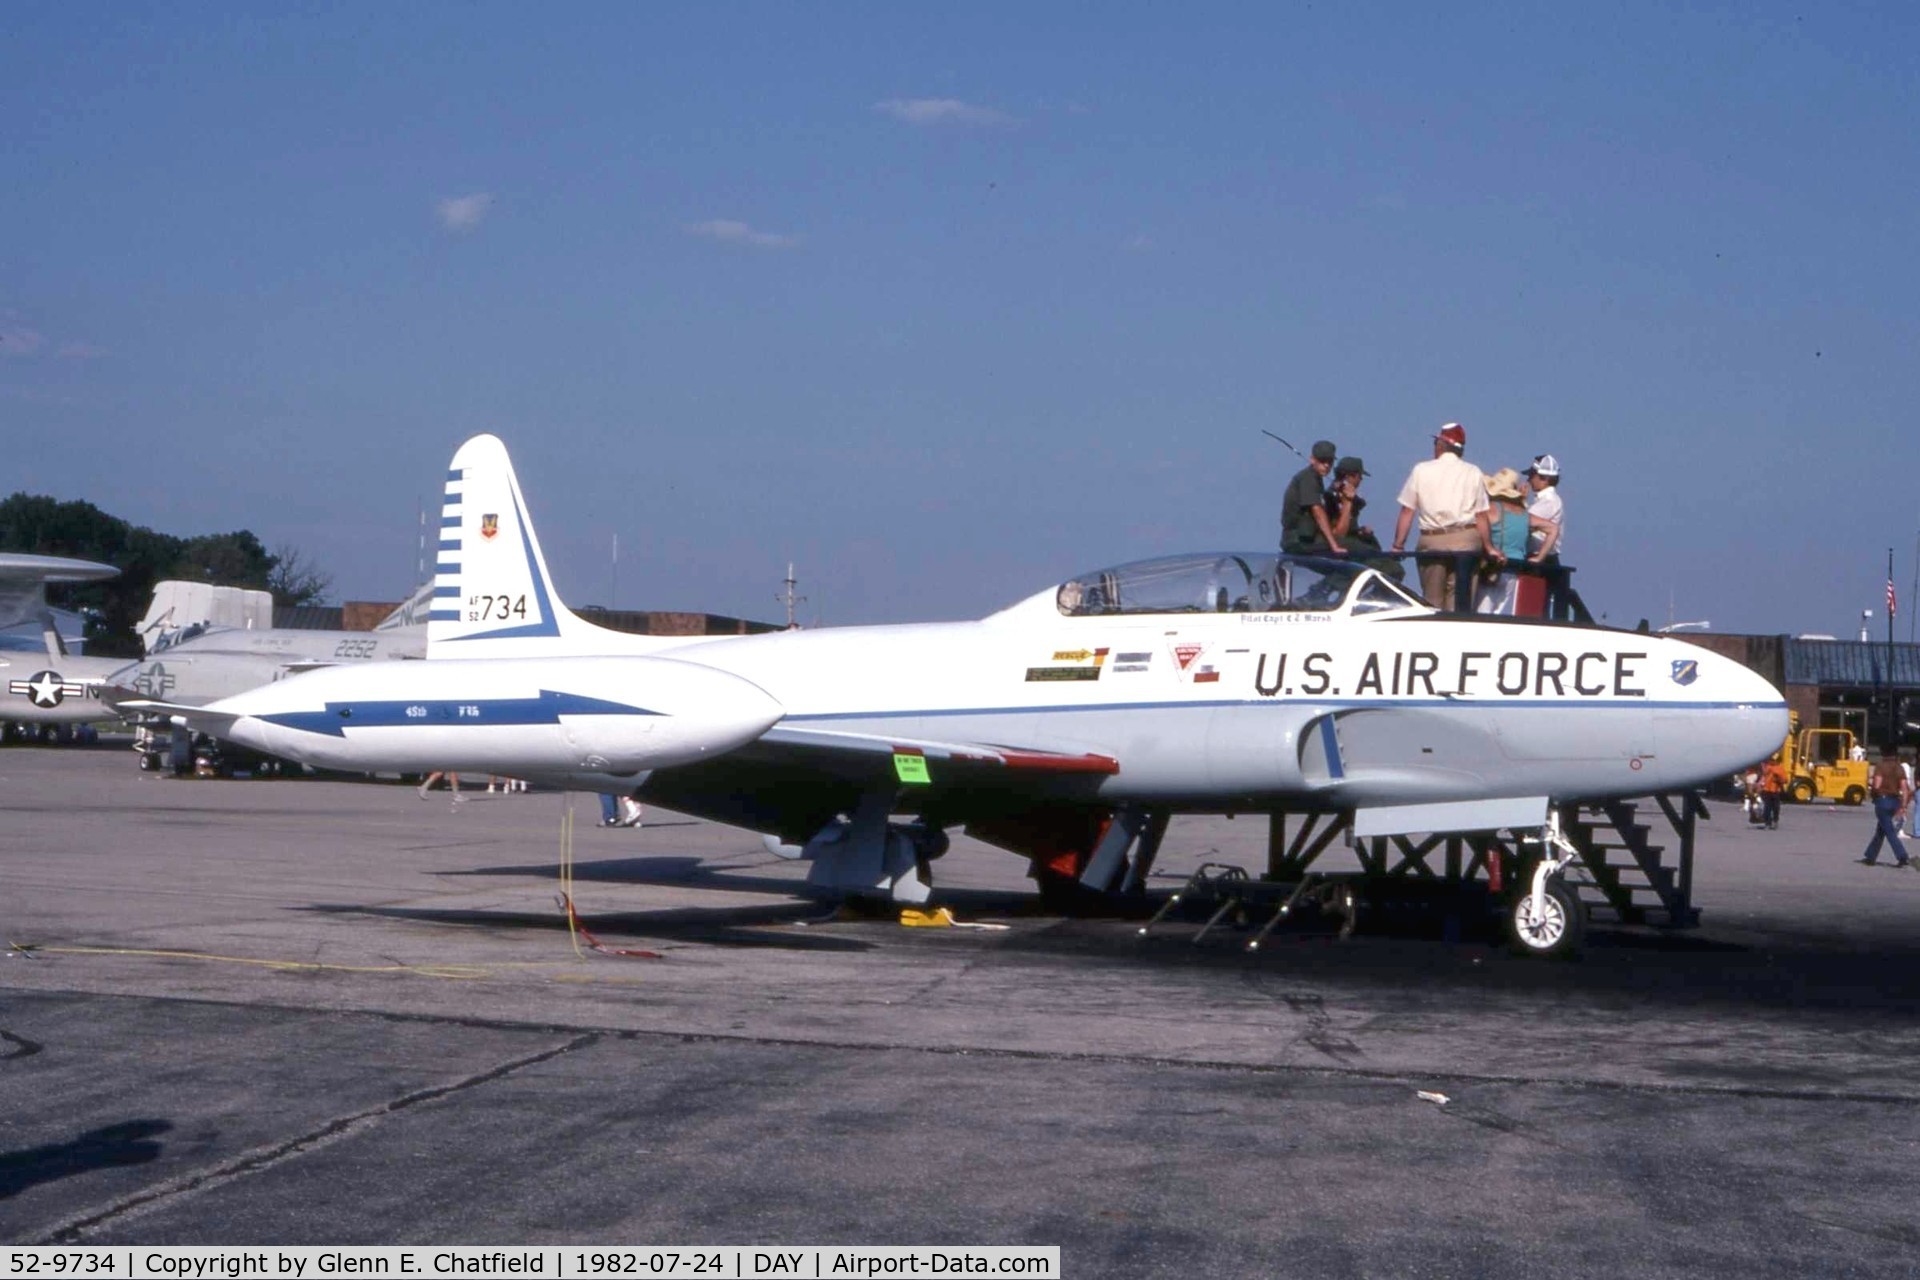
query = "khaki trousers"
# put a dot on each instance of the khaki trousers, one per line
(1437, 575)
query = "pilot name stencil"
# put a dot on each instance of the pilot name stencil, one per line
(1476, 674)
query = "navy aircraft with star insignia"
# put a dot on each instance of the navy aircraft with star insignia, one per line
(46, 688)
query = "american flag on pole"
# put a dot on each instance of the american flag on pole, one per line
(1890, 601)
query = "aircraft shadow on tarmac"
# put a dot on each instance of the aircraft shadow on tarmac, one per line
(1622, 968)
(741, 927)
(112, 1146)
(756, 925)
(686, 872)
(1793, 971)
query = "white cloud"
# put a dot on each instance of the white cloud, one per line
(19, 341)
(728, 231)
(938, 111)
(463, 213)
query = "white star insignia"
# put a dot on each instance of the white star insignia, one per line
(45, 689)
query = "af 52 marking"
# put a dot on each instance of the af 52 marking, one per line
(496, 608)
(1482, 674)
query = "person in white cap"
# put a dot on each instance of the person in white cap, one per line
(1546, 508)
(1449, 496)
(1544, 477)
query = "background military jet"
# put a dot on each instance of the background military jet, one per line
(43, 687)
(204, 661)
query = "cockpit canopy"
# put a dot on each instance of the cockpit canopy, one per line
(171, 638)
(1235, 582)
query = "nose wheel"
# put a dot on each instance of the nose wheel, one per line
(1548, 919)
(1552, 924)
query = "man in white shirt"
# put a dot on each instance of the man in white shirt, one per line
(1448, 495)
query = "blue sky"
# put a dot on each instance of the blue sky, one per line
(948, 304)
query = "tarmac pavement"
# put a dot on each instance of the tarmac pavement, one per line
(327, 1012)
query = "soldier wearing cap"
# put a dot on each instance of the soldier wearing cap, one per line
(1344, 505)
(1448, 495)
(1304, 527)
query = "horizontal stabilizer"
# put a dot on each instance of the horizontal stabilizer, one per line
(1515, 813)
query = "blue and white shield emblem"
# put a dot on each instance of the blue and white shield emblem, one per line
(1686, 670)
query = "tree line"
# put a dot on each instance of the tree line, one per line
(39, 525)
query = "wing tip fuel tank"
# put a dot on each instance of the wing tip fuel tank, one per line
(615, 715)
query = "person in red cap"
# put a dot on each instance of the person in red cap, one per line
(1448, 495)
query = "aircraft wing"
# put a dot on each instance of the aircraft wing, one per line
(129, 703)
(794, 780)
(869, 751)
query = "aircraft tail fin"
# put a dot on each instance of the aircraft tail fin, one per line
(492, 594)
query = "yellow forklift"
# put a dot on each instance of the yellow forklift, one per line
(1820, 765)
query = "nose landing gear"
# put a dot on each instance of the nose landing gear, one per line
(1548, 919)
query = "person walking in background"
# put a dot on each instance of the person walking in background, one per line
(619, 811)
(1773, 785)
(1913, 809)
(453, 785)
(1448, 495)
(1891, 796)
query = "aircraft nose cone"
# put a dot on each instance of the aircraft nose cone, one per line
(1764, 721)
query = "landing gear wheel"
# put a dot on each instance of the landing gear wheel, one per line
(149, 761)
(1557, 931)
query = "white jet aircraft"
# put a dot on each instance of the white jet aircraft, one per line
(48, 687)
(1066, 727)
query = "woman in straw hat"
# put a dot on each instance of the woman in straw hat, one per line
(1509, 525)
